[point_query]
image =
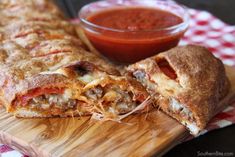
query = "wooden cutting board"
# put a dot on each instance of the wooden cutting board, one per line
(138, 135)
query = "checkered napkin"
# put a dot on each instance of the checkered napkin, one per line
(208, 31)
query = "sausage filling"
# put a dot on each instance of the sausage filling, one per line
(53, 102)
(186, 116)
(142, 77)
(113, 100)
(179, 109)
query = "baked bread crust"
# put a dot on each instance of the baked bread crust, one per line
(199, 85)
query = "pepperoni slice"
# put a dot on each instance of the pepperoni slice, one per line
(37, 92)
(167, 69)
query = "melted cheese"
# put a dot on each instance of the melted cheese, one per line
(194, 129)
(86, 78)
(166, 86)
(68, 93)
(59, 71)
(176, 106)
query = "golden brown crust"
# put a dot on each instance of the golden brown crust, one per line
(200, 84)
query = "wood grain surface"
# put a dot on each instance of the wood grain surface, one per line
(138, 135)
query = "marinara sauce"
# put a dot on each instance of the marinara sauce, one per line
(130, 34)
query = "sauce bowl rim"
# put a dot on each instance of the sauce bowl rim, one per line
(184, 24)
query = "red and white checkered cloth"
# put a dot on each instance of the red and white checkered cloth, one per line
(206, 30)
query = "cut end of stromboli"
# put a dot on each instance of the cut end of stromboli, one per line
(181, 113)
(189, 82)
(81, 89)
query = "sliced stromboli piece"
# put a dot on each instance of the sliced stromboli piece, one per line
(186, 82)
(111, 94)
(64, 84)
(43, 96)
(74, 90)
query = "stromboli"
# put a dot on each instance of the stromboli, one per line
(45, 71)
(189, 82)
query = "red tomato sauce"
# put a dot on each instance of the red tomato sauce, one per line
(135, 19)
(135, 38)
